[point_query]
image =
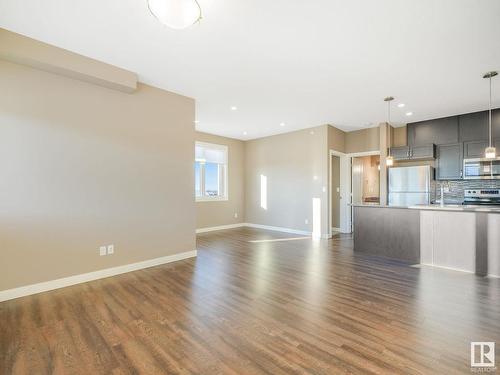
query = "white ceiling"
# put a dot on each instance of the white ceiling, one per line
(304, 63)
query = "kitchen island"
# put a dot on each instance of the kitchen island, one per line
(464, 238)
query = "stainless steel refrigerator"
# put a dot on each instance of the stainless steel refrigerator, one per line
(410, 185)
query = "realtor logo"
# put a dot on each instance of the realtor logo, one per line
(482, 354)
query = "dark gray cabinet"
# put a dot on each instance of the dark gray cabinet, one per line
(449, 161)
(475, 149)
(439, 131)
(400, 153)
(495, 123)
(423, 152)
(473, 127)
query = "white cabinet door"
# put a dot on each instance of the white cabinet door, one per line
(448, 239)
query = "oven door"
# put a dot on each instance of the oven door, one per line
(481, 169)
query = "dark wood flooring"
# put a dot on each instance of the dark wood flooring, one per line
(273, 307)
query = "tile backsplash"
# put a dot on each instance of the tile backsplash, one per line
(457, 187)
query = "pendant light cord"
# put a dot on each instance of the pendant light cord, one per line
(490, 112)
(389, 120)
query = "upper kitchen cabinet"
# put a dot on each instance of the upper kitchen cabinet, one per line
(473, 127)
(495, 123)
(439, 131)
(449, 161)
(400, 153)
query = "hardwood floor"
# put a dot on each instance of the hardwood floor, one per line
(270, 306)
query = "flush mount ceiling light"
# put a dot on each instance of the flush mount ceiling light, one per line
(409, 113)
(490, 152)
(389, 161)
(234, 108)
(401, 105)
(282, 124)
(176, 14)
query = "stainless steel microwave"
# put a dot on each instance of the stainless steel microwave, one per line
(481, 169)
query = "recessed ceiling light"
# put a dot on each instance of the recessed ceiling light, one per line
(282, 124)
(234, 108)
(401, 105)
(245, 133)
(409, 113)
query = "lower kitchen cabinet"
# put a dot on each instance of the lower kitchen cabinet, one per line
(442, 245)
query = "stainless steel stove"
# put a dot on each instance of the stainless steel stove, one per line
(482, 197)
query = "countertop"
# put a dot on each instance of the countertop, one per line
(438, 207)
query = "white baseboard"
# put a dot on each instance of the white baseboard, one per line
(260, 226)
(220, 227)
(443, 267)
(27, 290)
(279, 229)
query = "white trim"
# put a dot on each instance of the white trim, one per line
(364, 153)
(27, 290)
(215, 198)
(335, 229)
(260, 226)
(220, 227)
(443, 267)
(279, 229)
(345, 210)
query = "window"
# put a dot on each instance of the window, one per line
(210, 170)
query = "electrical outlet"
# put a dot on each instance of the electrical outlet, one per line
(307, 221)
(102, 250)
(111, 249)
(235, 215)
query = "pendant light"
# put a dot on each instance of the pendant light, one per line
(176, 14)
(389, 161)
(490, 152)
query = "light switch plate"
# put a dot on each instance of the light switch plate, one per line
(111, 249)
(102, 250)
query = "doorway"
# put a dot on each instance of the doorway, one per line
(366, 179)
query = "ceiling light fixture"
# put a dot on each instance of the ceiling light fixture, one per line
(282, 124)
(245, 133)
(389, 160)
(176, 14)
(234, 108)
(409, 113)
(401, 105)
(490, 152)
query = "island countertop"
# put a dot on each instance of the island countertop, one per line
(438, 207)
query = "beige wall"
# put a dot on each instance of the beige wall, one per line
(362, 140)
(399, 137)
(217, 213)
(83, 166)
(30, 52)
(290, 162)
(336, 139)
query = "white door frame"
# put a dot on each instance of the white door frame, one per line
(344, 198)
(345, 188)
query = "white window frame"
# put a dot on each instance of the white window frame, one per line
(223, 175)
